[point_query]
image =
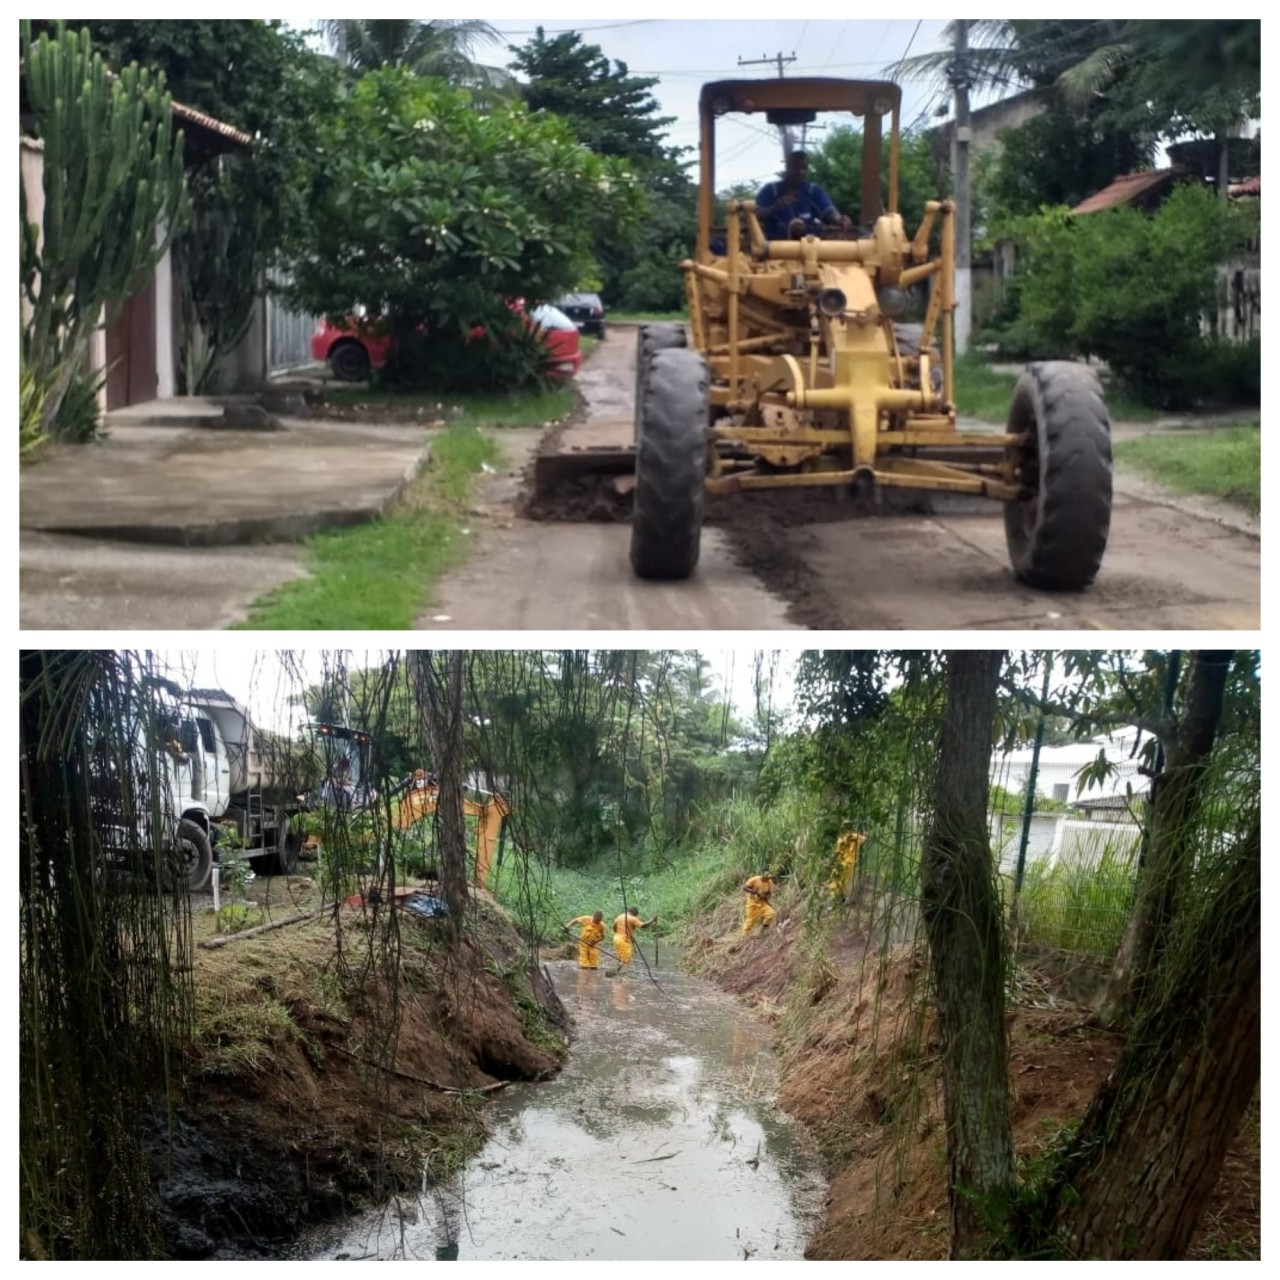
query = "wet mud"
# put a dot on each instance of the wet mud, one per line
(660, 1139)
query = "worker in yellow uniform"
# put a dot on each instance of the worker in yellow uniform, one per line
(624, 934)
(759, 889)
(848, 846)
(589, 939)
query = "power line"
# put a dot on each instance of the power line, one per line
(560, 31)
(843, 28)
(912, 41)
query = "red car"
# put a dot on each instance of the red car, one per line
(351, 349)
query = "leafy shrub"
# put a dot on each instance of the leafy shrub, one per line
(514, 357)
(79, 417)
(1131, 288)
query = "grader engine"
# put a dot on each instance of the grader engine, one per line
(798, 367)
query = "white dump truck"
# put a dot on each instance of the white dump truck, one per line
(217, 773)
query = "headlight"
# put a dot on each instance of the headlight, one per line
(832, 302)
(893, 302)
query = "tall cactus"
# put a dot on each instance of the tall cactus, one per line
(114, 196)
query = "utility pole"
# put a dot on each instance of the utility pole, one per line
(788, 145)
(959, 77)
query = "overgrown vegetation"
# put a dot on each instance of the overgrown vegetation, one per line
(1132, 288)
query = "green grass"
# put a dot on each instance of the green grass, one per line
(649, 317)
(375, 577)
(1224, 463)
(981, 392)
(984, 393)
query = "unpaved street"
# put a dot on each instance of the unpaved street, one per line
(808, 559)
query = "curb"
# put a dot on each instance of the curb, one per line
(249, 530)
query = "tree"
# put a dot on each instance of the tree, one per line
(836, 165)
(114, 197)
(613, 113)
(438, 683)
(443, 47)
(1134, 1180)
(1176, 792)
(104, 986)
(432, 216)
(965, 926)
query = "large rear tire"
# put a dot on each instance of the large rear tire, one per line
(284, 861)
(671, 464)
(653, 338)
(1057, 535)
(190, 858)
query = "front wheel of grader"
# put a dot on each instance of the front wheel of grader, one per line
(671, 464)
(1057, 534)
(652, 339)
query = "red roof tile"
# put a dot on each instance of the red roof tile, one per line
(1126, 189)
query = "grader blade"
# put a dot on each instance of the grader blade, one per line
(590, 452)
(552, 470)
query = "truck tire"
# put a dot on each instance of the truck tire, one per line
(189, 860)
(1058, 534)
(653, 338)
(284, 861)
(671, 464)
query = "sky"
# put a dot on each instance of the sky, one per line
(267, 681)
(686, 52)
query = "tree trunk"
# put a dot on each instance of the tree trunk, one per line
(1175, 799)
(965, 928)
(1135, 1180)
(441, 706)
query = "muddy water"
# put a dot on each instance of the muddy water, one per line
(658, 1140)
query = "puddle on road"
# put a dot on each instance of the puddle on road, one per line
(658, 1140)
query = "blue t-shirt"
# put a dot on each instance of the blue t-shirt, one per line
(811, 203)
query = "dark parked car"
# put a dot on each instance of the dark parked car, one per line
(585, 310)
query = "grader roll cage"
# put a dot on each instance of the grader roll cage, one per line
(795, 369)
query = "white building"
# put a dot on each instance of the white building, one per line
(1104, 819)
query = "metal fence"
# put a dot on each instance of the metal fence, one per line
(288, 337)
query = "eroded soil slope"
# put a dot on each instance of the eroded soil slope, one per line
(859, 1067)
(316, 1086)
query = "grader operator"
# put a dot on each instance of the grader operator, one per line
(797, 367)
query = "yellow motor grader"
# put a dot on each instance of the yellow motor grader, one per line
(796, 367)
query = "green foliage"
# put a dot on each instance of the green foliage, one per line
(613, 113)
(429, 214)
(32, 391)
(514, 355)
(1131, 288)
(836, 165)
(1078, 906)
(79, 417)
(1056, 158)
(246, 206)
(114, 196)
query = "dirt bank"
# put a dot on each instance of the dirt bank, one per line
(316, 1086)
(859, 1067)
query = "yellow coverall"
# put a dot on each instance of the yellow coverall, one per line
(759, 889)
(624, 932)
(588, 941)
(847, 849)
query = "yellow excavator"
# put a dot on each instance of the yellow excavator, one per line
(412, 799)
(415, 798)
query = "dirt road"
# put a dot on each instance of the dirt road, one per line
(809, 560)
